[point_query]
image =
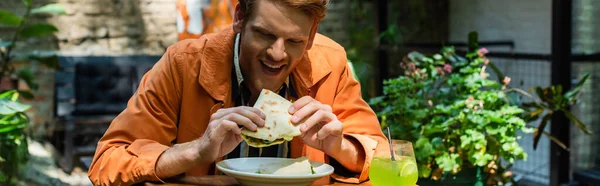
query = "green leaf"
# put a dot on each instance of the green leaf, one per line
(5, 44)
(37, 30)
(536, 113)
(437, 57)
(576, 121)
(26, 94)
(424, 171)
(415, 56)
(7, 94)
(482, 159)
(49, 9)
(27, 75)
(11, 107)
(8, 18)
(425, 148)
(556, 140)
(27, 3)
(9, 128)
(540, 130)
(573, 92)
(437, 141)
(50, 61)
(540, 93)
(511, 110)
(2, 179)
(448, 162)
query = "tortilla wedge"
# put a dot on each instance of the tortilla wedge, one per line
(278, 125)
(298, 166)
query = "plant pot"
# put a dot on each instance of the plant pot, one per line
(472, 176)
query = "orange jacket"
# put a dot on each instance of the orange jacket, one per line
(192, 80)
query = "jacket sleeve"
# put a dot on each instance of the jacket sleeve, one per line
(129, 149)
(360, 125)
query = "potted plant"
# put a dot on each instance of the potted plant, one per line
(464, 126)
(13, 119)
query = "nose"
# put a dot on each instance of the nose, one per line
(277, 50)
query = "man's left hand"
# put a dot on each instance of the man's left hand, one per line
(319, 126)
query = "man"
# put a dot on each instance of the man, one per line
(189, 109)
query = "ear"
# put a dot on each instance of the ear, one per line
(313, 33)
(238, 19)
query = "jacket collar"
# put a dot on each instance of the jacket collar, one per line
(216, 67)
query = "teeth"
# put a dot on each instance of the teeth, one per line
(272, 66)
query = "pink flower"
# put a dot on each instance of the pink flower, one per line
(482, 51)
(447, 68)
(482, 72)
(412, 67)
(439, 71)
(506, 80)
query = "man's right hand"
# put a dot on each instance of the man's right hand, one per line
(221, 136)
(223, 132)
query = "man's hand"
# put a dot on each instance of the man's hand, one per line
(319, 126)
(221, 136)
(322, 130)
(223, 132)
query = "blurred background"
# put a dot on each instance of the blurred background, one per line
(78, 69)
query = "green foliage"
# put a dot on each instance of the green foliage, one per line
(551, 101)
(13, 139)
(37, 30)
(361, 47)
(458, 118)
(8, 18)
(49, 9)
(13, 120)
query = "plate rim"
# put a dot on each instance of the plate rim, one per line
(276, 176)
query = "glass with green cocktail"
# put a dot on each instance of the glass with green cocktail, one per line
(401, 172)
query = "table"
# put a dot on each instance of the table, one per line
(220, 180)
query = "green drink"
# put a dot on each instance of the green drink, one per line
(402, 172)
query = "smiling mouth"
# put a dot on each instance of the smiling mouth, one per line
(271, 69)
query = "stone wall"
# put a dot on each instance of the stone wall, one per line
(116, 28)
(107, 27)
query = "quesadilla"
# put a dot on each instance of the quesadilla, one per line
(296, 166)
(278, 125)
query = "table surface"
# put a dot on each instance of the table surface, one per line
(219, 180)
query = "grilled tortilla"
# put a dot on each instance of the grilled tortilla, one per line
(298, 166)
(278, 125)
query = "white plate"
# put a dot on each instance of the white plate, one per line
(244, 171)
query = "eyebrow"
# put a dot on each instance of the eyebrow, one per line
(263, 29)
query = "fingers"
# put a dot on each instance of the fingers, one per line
(254, 114)
(248, 117)
(318, 117)
(298, 104)
(333, 128)
(308, 109)
(224, 127)
(241, 120)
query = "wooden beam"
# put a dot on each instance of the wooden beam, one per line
(562, 11)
